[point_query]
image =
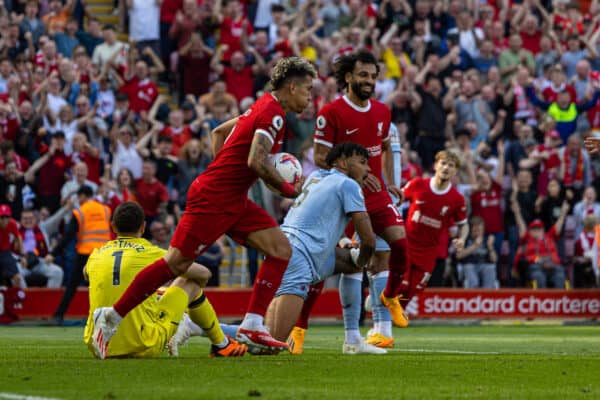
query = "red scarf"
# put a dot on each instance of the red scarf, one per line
(41, 250)
(568, 178)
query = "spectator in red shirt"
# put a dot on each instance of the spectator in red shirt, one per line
(486, 200)
(168, 9)
(194, 66)
(546, 156)
(239, 77)
(583, 263)
(151, 194)
(140, 90)
(538, 249)
(558, 84)
(52, 175)
(7, 153)
(9, 241)
(47, 58)
(84, 152)
(234, 28)
(9, 122)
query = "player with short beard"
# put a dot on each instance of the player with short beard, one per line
(356, 117)
(218, 204)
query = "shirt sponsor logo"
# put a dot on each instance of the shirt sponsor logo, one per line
(425, 220)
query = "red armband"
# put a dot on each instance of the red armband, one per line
(287, 189)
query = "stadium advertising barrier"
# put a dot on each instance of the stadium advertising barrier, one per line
(433, 303)
(506, 303)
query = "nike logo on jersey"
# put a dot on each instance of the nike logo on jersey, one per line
(348, 132)
(420, 202)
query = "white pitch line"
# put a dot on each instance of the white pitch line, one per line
(445, 351)
(14, 396)
(424, 351)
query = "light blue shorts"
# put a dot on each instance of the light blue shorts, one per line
(300, 274)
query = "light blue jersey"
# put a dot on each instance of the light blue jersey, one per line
(314, 225)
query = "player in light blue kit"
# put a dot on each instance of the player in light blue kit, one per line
(314, 224)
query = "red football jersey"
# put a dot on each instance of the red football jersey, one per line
(343, 121)
(8, 234)
(488, 205)
(224, 186)
(429, 214)
(142, 94)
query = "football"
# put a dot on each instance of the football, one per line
(288, 166)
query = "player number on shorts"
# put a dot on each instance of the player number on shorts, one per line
(118, 255)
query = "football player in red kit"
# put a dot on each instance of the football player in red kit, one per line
(435, 206)
(218, 203)
(356, 117)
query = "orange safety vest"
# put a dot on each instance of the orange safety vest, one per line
(94, 226)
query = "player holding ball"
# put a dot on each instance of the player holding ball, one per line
(217, 204)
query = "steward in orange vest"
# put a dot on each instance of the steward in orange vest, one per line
(91, 226)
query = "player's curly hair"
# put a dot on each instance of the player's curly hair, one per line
(128, 217)
(290, 68)
(346, 63)
(448, 156)
(346, 149)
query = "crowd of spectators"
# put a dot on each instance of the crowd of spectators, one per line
(512, 86)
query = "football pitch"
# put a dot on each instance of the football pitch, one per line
(428, 362)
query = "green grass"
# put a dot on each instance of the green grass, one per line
(485, 362)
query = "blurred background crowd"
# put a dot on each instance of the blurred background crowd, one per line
(126, 109)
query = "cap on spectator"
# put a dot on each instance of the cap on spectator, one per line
(85, 190)
(5, 211)
(536, 224)
(121, 97)
(553, 134)
(187, 106)
(108, 27)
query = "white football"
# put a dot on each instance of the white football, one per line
(288, 166)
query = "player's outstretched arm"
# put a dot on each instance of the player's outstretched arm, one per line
(362, 224)
(258, 161)
(219, 134)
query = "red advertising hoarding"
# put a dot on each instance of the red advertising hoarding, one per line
(433, 303)
(506, 303)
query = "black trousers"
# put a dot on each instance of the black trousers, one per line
(74, 281)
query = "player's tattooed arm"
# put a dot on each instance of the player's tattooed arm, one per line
(220, 133)
(362, 224)
(258, 161)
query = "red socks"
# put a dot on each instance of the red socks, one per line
(313, 294)
(398, 265)
(266, 284)
(145, 283)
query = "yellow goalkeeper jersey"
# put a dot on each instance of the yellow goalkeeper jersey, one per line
(110, 270)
